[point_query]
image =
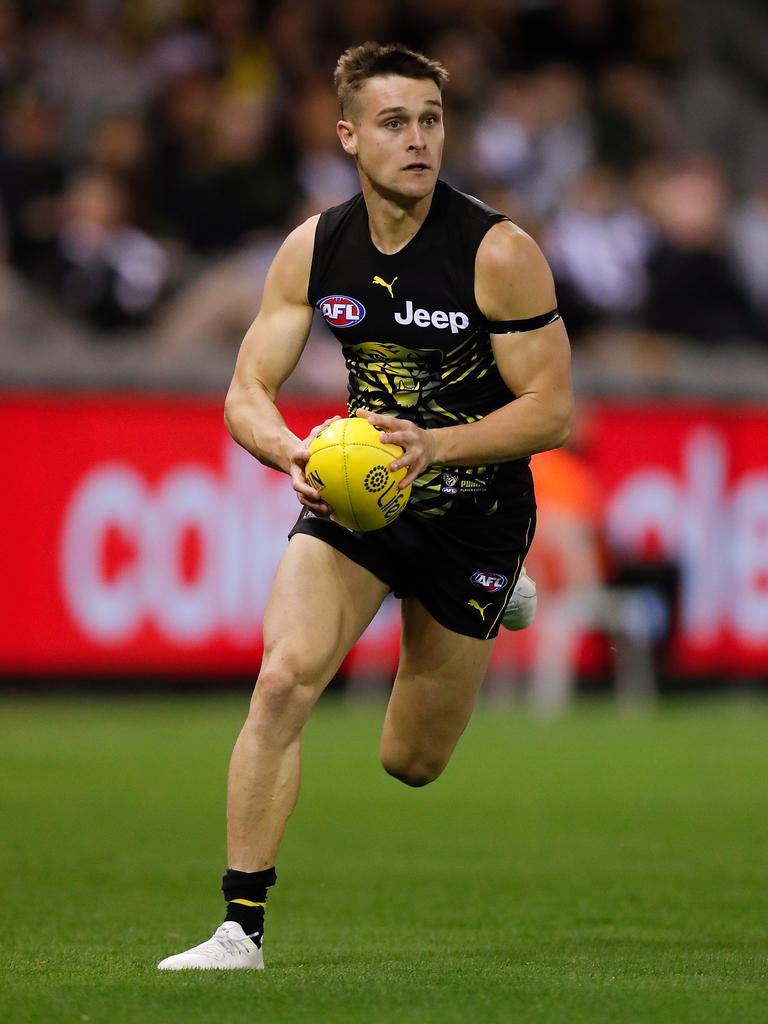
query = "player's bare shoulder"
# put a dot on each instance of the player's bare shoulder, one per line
(288, 276)
(512, 276)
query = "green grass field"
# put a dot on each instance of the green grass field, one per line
(595, 868)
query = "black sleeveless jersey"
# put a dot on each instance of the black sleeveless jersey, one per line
(415, 342)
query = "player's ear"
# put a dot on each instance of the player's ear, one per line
(346, 132)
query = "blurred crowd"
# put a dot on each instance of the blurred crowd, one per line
(153, 156)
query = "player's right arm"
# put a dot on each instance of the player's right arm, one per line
(268, 355)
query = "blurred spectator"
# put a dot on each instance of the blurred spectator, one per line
(509, 201)
(81, 62)
(471, 57)
(118, 146)
(224, 168)
(535, 135)
(564, 133)
(722, 95)
(106, 270)
(179, 128)
(749, 238)
(31, 177)
(215, 309)
(245, 63)
(225, 39)
(212, 313)
(211, 121)
(598, 245)
(632, 117)
(326, 175)
(12, 46)
(298, 35)
(693, 287)
(503, 146)
(567, 561)
(179, 51)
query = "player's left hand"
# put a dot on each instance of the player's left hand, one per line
(308, 495)
(417, 443)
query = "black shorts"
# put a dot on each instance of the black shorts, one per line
(462, 566)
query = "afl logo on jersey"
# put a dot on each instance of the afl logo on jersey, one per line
(341, 310)
(489, 581)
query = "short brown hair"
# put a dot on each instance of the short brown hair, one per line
(369, 60)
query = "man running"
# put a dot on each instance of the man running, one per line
(447, 317)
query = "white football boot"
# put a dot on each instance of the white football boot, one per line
(521, 606)
(228, 949)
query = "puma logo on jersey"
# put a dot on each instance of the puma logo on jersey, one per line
(383, 283)
(439, 319)
(478, 607)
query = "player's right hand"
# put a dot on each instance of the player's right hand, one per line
(307, 495)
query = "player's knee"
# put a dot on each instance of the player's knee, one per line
(284, 689)
(412, 771)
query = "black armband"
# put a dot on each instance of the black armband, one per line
(533, 323)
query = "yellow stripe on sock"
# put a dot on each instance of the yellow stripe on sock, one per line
(248, 903)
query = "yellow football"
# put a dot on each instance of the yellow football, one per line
(349, 465)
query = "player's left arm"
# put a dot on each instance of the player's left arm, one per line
(513, 282)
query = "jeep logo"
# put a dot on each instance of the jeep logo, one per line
(440, 320)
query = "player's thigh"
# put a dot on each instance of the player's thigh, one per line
(320, 603)
(438, 679)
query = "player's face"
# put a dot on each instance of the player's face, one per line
(395, 133)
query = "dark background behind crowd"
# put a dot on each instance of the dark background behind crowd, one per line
(153, 155)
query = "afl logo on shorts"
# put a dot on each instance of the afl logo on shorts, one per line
(341, 310)
(490, 581)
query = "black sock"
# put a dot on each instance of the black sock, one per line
(246, 896)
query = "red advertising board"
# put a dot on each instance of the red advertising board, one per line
(137, 537)
(690, 484)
